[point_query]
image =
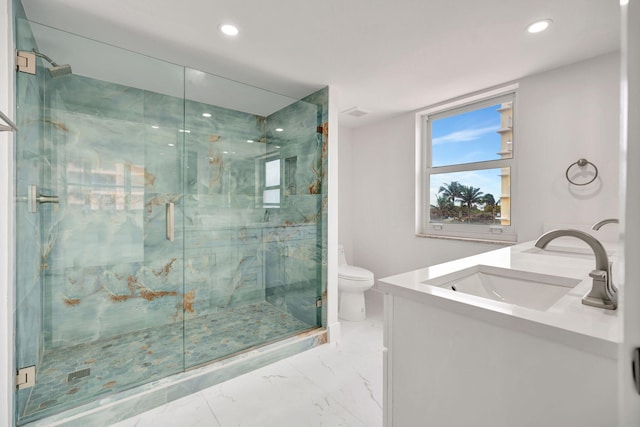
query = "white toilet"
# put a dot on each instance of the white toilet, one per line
(352, 283)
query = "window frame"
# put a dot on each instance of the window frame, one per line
(477, 232)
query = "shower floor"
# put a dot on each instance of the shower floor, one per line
(74, 375)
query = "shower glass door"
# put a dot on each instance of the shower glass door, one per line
(253, 216)
(99, 249)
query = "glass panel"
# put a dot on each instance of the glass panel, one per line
(96, 269)
(242, 259)
(472, 136)
(29, 289)
(471, 197)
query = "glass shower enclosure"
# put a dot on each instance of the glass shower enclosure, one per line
(166, 219)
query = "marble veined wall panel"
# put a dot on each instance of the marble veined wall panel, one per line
(224, 254)
(97, 98)
(220, 160)
(109, 266)
(292, 264)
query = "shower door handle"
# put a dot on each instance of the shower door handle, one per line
(170, 221)
(34, 198)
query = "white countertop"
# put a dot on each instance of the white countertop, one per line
(567, 314)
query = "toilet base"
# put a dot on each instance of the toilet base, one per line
(352, 307)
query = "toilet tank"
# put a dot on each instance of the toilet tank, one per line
(342, 259)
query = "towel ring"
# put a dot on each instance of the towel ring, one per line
(582, 163)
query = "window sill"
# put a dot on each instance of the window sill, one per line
(469, 239)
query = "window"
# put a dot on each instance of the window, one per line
(465, 158)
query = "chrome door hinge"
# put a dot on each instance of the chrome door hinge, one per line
(26, 62)
(318, 302)
(26, 377)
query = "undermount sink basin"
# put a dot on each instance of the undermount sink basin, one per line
(522, 288)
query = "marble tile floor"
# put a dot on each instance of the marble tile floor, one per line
(338, 384)
(72, 375)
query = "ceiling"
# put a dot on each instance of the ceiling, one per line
(385, 57)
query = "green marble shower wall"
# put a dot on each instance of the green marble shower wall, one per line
(117, 155)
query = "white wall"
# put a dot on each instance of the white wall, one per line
(345, 191)
(6, 218)
(563, 115)
(333, 325)
(566, 114)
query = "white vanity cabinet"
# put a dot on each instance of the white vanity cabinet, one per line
(457, 360)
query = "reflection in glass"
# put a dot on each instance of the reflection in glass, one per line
(272, 173)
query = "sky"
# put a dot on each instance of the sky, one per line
(466, 138)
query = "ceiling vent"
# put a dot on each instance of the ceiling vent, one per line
(356, 112)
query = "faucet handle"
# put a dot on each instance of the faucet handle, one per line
(598, 275)
(599, 295)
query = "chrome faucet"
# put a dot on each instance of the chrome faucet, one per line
(599, 224)
(603, 293)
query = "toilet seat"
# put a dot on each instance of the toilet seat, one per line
(353, 273)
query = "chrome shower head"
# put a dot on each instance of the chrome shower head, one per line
(55, 70)
(60, 70)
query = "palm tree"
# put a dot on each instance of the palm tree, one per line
(443, 208)
(490, 202)
(470, 195)
(451, 191)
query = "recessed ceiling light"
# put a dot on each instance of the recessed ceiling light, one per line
(155, 127)
(230, 30)
(279, 130)
(250, 141)
(277, 146)
(206, 114)
(538, 26)
(185, 131)
(171, 145)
